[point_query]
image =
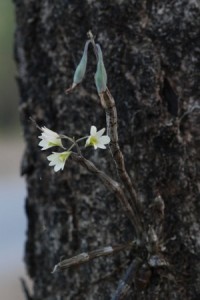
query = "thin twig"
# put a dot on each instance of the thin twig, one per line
(26, 289)
(124, 286)
(113, 186)
(35, 123)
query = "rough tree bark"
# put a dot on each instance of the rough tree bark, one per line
(151, 51)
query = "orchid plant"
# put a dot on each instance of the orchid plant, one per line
(124, 191)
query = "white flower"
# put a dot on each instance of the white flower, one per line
(97, 139)
(49, 139)
(58, 160)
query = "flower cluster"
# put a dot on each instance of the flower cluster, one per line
(50, 139)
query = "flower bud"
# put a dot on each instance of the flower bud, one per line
(100, 75)
(81, 68)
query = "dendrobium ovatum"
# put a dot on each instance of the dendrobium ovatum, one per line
(49, 139)
(58, 160)
(124, 190)
(97, 139)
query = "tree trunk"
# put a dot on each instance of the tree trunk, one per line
(151, 53)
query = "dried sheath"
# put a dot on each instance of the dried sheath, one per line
(85, 257)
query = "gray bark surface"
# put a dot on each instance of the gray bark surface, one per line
(148, 46)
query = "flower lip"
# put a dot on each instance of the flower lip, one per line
(97, 139)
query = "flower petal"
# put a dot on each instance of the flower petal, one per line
(104, 139)
(58, 159)
(48, 131)
(51, 157)
(43, 144)
(58, 167)
(93, 130)
(49, 139)
(87, 143)
(100, 132)
(101, 146)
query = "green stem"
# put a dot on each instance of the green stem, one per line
(62, 136)
(72, 146)
(81, 139)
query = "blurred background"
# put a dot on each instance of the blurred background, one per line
(12, 186)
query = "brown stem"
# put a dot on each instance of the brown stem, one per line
(108, 103)
(113, 186)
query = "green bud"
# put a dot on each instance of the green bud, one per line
(81, 68)
(100, 75)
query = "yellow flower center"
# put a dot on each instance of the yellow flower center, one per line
(93, 140)
(64, 156)
(52, 144)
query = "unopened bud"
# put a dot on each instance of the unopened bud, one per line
(81, 68)
(100, 75)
